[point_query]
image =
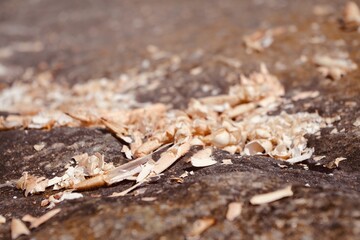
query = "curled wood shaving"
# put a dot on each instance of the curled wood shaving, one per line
(338, 160)
(18, 228)
(234, 210)
(203, 158)
(31, 184)
(35, 222)
(272, 196)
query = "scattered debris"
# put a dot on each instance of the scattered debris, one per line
(38, 147)
(200, 226)
(18, 228)
(334, 68)
(234, 210)
(272, 196)
(126, 150)
(35, 222)
(236, 122)
(338, 160)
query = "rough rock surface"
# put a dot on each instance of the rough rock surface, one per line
(89, 39)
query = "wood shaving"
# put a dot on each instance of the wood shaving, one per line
(203, 158)
(59, 197)
(272, 196)
(39, 146)
(236, 122)
(200, 226)
(2, 219)
(18, 228)
(338, 160)
(234, 211)
(148, 199)
(318, 158)
(31, 184)
(350, 17)
(305, 95)
(334, 68)
(35, 222)
(126, 150)
(262, 39)
(226, 162)
(357, 122)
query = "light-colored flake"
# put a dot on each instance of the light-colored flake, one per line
(126, 150)
(18, 228)
(357, 122)
(200, 226)
(318, 158)
(145, 171)
(233, 211)
(338, 160)
(2, 219)
(203, 158)
(39, 146)
(272, 196)
(226, 162)
(301, 157)
(148, 199)
(35, 222)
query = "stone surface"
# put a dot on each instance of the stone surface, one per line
(90, 39)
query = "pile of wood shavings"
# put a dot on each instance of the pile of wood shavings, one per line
(236, 122)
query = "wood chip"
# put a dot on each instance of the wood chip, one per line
(318, 158)
(203, 158)
(227, 162)
(38, 147)
(357, 122)
(338, 160)
(2, 219)
(234, 210)
(18, 228)
(126, 150)
(272, 196)
(148, 199)
(200, 226)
